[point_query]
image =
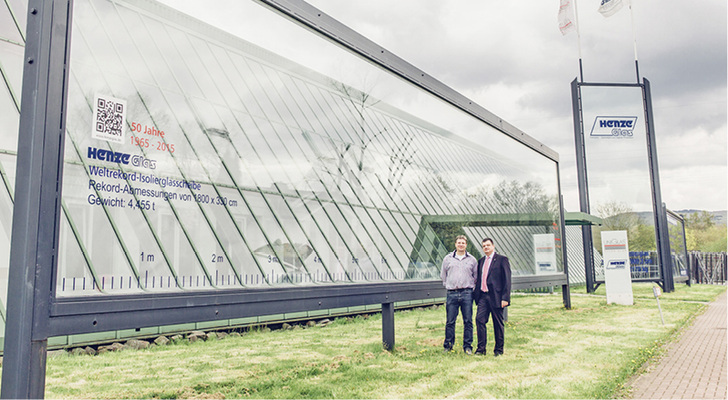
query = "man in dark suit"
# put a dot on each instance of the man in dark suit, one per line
(492, 294)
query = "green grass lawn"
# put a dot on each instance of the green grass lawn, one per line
(590, 351)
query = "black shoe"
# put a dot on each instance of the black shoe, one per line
(497, 354)
(447, 350)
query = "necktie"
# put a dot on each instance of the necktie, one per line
(486, 268)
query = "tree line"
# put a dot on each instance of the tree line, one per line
(702, 233)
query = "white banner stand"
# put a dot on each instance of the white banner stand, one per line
(544, 251)
(617, 270)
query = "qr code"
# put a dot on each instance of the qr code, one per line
(109, 119)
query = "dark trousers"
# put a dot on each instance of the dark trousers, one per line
(459, 300)
(481, 319)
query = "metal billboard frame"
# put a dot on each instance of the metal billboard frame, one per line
(34, 314)
(662, 241)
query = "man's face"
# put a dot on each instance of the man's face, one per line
(460, 245)
(488, 248)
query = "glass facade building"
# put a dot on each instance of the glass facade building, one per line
(243, 150)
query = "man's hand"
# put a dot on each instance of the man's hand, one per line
(504, 304)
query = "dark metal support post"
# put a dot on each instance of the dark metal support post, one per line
(565, 291)
(663, 247)
(36, 212)
(586, 232)
(668, 271)
(388, 326)
(685, 246)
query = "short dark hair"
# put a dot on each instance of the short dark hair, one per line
(489, 239)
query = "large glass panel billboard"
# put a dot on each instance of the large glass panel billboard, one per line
(239, 149)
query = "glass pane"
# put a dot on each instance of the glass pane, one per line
(246, 160)
(6, 217)
(11, 63)
(93, 210)
(8, 28)
(75, 271)
(19, 9)
(265, 266)
(678, 252)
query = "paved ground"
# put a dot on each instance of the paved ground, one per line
(694, 367)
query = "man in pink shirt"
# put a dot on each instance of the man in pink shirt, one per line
(492, 294)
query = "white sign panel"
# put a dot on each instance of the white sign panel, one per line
(544, 249)
(617, 275)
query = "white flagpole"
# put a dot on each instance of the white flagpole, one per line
(578, 40)
(634, 41)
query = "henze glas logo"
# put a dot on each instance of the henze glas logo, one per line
(617, 264)
(120, 158)
(614, 127)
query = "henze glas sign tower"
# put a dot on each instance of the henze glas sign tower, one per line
(236, 150)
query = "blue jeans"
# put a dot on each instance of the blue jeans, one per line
(459, 300)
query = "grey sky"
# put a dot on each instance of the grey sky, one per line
(511, 58)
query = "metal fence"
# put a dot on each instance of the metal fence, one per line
(710, 268)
